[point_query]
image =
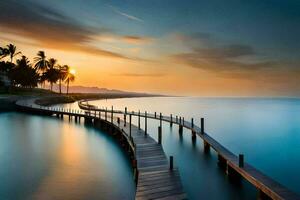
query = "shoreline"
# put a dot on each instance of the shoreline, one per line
(7, 102)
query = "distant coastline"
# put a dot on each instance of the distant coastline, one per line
(47, 98)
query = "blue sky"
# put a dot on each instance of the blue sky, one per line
(231, 39)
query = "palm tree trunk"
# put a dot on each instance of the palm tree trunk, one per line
(68, 86)
(51, 86)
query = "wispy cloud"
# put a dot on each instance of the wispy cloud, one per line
(49, 28)
(136, 39)
(131, 17)
(154, 75)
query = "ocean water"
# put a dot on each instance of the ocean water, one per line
(47, 158)
(265, 130)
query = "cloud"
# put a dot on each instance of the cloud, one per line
(49, 27)
(136, 39)
(154, 75)
(220, 59)
(128, 16)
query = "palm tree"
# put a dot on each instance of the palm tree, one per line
(11, 51)
(41, 63)
(62, 74)
(70, 76)
(52, 74)
(23, 74)
(3, 52)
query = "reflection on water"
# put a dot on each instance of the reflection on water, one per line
(45, 158)
(267, 131)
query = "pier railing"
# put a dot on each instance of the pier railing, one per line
(234, 165)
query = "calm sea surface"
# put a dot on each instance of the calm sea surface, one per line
(46, 157)
(267, 131)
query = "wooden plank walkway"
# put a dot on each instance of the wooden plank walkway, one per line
(265, 185)
(155, 179)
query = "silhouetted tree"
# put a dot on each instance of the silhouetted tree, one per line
(70, 77)
(41, 63)
(11, 51)
(3, 52)
(52, 73)
(62, 75)
(23, 74)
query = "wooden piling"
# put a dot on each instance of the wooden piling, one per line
(159, 135)
(160, 119)
(125, 116)
(171, 163)
(180, 129)
(129, 125)
(241, 160)
(145, 122)
(112, 114)
(202, 125)
(206, 147)
(139, 120)
(171, 120)
(192, 122)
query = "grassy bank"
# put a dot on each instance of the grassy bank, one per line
(59, 99)
(47, 98)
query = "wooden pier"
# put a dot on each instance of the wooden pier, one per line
(232, 164)
(155, 175)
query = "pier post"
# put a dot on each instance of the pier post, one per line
(183, 121)
(105, 114)
(222, 162)
(194, 136)
(171, 163)
(125, 116)
(180, 120)
(112, 114)
(241, 160)
(159, 135)
(206, 147)
(118, 120)
(160, 119)
(100, 114)
(130, 126)
(154, 114)
(145, 122)
(192, 122)
(139, 120)
(176, 119)
(180, 129)
(171, 120)
(202, 125)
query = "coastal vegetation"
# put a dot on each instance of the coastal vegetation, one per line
(17, 71)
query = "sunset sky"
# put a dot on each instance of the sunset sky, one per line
(181, 47)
